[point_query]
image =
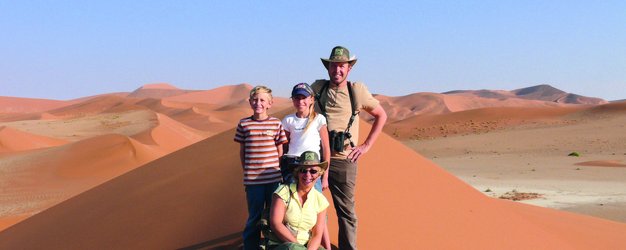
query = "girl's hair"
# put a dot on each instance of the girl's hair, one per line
(260, 89)
(312, 114)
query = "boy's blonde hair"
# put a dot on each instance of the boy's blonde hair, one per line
(260, 89)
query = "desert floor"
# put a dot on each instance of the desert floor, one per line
(533, 160)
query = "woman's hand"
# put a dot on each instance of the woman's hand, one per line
(318, 230)
(325, 181)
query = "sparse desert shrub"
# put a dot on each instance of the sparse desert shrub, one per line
(576, 154)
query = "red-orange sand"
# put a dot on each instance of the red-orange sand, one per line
(194, 197)
(136, 180)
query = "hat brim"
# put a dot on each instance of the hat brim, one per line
(300, 92)
(327, 62)
(323, 165)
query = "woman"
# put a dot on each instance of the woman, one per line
(298, 212)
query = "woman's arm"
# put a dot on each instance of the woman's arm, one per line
(326, 154)
(277, 215)
(317, 231)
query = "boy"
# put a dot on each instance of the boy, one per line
(261, 138)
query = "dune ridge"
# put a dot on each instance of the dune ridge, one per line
(223, 95)
(157, 90)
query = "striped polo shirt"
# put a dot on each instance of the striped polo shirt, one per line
(260, 139)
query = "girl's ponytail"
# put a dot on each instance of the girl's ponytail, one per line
(312, 114)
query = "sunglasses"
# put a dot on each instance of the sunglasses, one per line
(310, 171)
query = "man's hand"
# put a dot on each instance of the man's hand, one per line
(380, 117)
(325, 182)
(358, 151)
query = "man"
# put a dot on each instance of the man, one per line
(335, 102)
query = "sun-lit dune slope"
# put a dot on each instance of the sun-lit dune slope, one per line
(12, 140)
(618, 108)
(478, 121)
(195, 197)
(189, 197)
(75, 129)
(37, 175)
(36, 180)
(96, 105)
(169, 135)
(402, 107)
(408, 201)
(209, 118)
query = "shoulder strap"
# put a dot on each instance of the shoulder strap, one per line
(355, 111)
(323, 94)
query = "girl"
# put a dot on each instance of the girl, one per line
(306, 131)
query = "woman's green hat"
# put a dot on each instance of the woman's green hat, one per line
(309, 159)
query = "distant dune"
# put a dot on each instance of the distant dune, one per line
(404, 107)
(160, 90)
(222, 95)
(542, 92)
(13, 105)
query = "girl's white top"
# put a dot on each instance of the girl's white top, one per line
(299, 140)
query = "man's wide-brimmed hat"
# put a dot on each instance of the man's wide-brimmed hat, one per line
(339, 54)
(309, 159)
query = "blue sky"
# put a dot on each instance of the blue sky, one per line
(70, 49)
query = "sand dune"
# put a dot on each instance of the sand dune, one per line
(157, 90)
(404, 107)
(194, 197)
(400, 108)
(543, 92)
(92, 163)
(96, 105)
(12, 140)
(28, 105)
(74, 129)
(477, 121)
(169, 135)
(222, 95)
(188, 197)
(34, 181)
(549, 93)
